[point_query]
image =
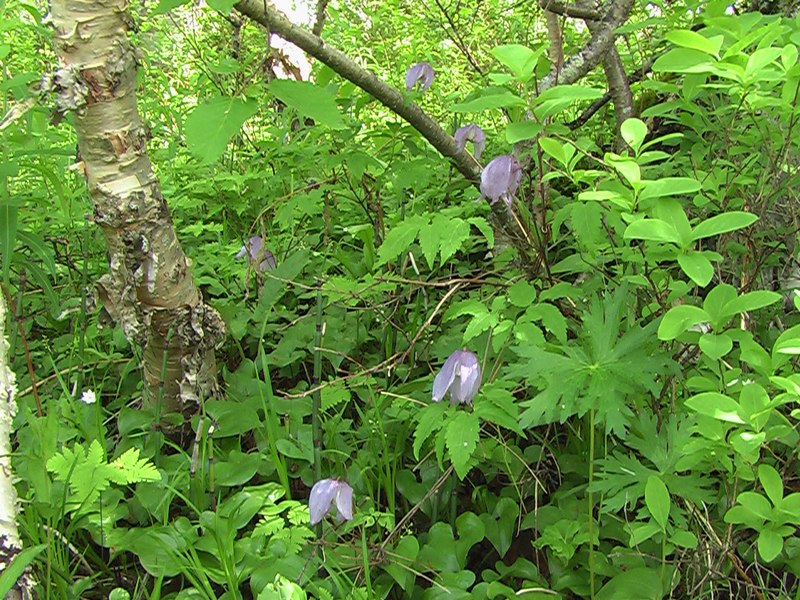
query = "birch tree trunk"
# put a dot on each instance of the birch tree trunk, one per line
(149, 290)
(10, 544)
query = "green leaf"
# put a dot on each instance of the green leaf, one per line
(452, 235)
(697, 267)
(683, 60)
(691, 39)
(678, 319)
(639, 583)
(633, 131)
(518, 59)
(772, 482)
(521, 294)
(164, 6)
(669, 186)
(555, 149)
(8, 233)
(129, 468)
(715, 346)
(717, 406)
(719, 224)
(461, 438)
(750, 301)
(504, 99)
(223, 6)
(429, 243)
(558, 98)
(210, 126)
(770, 544)
(310, 101)
(334, 394)
(429, 419)
(403, 556)
(399, 238)
(656, 497)
(12, 572)
(525, 130)
(653, 230)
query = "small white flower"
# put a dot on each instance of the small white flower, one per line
(88, 397)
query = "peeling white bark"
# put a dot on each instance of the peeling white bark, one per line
(149, 290)
(10, 544)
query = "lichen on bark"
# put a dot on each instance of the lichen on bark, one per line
(148, 291)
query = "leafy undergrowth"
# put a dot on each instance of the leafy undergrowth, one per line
(634, 430)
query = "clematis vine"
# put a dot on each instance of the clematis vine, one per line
(255, 251)
(500, 179)
(325, 494)
(421, 73)
(471, 133)
(460, 375)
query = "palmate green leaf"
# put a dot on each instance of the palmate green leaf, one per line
(310, 101)
(461, 437)
(210, 126)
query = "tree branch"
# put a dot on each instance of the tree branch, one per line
(566, 10)
(617, 80)
(588, 57)
(595, 106)
(319, 20)
(269, 17)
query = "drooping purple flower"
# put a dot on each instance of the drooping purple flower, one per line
(420, 72)
(460, 375)
(256, 253)
(326, 493)
(471, 133)
(500, 179)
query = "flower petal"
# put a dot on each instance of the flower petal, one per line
(421, 71)
(321, 498)
(344, 501)
(501, 178)
(471, 133)
(444, 378)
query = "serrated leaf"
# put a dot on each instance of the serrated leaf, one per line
(429, 243)
(129, 468)
(309, 100)
(334, 394)
(399, 238)
(210, 126)
(485, 228)
(429, 419)
(462, 438)
(452, 234)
